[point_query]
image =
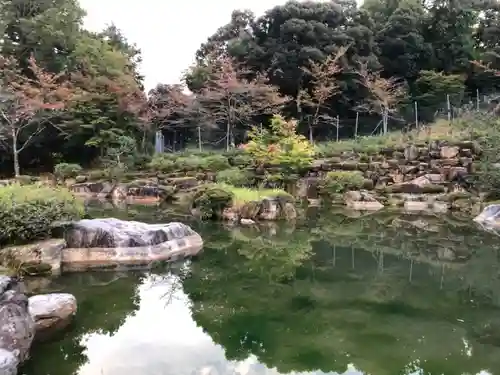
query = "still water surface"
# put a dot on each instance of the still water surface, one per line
(382, 294)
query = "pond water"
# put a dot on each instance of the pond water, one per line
(383, 294)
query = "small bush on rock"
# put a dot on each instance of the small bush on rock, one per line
(28, 212)
(67, 170)
(339, 181)
(211, 200)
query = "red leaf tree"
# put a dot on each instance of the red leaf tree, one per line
(231, 99)
(28, 104)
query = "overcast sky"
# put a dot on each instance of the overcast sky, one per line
(168, 32)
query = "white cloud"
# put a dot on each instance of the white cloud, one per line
(168, 32)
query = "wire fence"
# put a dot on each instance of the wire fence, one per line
(413, 115)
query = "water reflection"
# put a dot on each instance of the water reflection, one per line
(162, 338)
(378, 295)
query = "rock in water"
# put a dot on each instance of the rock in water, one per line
(51, 313)
(489, 218)
(17, 327)
(112, 232)
(110, 243)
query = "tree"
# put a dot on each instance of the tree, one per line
(48, 30)
(283, 41)
(114, 103)
(229, 99)
(384, 94)
(431, 89)
(29, 104)
(324, 79)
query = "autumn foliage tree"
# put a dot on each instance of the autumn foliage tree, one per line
(384, 94)
(28, 104)
(323, 77)
(231, 99)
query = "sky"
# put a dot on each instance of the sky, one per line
(168, 32)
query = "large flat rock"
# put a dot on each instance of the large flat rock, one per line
(112, 243)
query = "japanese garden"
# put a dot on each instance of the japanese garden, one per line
(256, 217)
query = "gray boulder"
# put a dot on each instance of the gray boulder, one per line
(111, 233)
(120, 245)
(17, 328)
(51, 313)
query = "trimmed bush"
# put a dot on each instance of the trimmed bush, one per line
(215, 163)
(188, 163)
(234, 176)
(28, 212)
(67, 170)
(162, 163)
(339, 181)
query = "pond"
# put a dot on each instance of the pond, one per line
(382, 294)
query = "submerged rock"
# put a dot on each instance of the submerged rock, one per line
(51, 313)
(17, 328)
(111, 242)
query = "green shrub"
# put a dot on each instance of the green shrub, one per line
(97, 174)
(241, 160)
(162, 163)
(215, 163)
(27, 212)
(234, 176)
(340, 181)
(184, 162)
(188, 163)
(211, 200)
(280, 146)
(67, 170)
(140, 161)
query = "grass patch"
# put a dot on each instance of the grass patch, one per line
(242, 195)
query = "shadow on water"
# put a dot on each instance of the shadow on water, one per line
(383, 294)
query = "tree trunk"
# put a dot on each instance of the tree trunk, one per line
(17, 170)
(311, 139)
(15, 154)
(228, 135)
(143, 141)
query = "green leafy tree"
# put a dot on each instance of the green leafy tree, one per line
(280, 145)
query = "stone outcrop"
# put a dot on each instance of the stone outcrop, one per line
(22, 320)
(421, 168)
(42, 257)
(267, 209)
(153, 189)
(51, 313)
(17, 328)
(362, 201)
(112, 243)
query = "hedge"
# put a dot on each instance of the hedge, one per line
(27, 212)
